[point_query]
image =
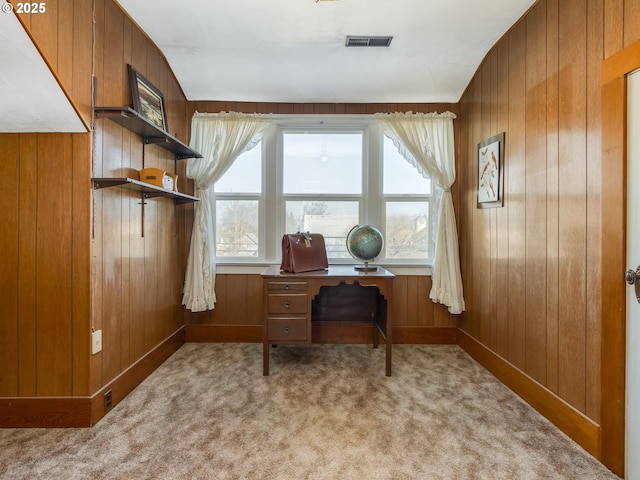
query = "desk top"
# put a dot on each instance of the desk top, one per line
(332, 271)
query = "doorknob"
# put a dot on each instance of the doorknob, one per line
(632, 277)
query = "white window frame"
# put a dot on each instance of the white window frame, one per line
(261, 198)
(272, 200)
(360, 198)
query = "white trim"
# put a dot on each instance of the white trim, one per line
(257, 269)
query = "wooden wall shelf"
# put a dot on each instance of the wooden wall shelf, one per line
(150, 133)
(146, 190)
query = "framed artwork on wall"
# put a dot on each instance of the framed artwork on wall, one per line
(491, 172)
(147, 99)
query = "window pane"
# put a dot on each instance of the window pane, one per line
(407, 230)
(322, 163)
(332, 219)
(400, 177)
(244, 175)
(237, 228)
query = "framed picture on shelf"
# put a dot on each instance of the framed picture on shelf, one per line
(147, 99)
(491, 172)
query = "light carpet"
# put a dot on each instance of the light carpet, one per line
(325, 412)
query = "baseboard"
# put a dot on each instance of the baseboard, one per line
(425, 335)
(572, 422)
(223, 333)
(45, 412)
(84, 411)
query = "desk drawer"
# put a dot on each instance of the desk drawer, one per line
(292, 329)
(287, 303)
(288, 286)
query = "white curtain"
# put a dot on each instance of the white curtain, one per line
(426, 142)
(220, 138)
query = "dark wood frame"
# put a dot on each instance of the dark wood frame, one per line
(499, 138)
(142, 89)
(613, 258)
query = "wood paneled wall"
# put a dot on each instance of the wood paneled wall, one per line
(138, 248)
(45, 234)
(74, 258)
(532, 268)
(44, 273)
(238, 312)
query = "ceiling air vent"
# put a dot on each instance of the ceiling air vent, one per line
(355, 41)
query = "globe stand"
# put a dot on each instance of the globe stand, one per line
(365, 268)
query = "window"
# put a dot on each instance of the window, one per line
(406, 196)
(324, 177)
(237, 211)
(322, 184)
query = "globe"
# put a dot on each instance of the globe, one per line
(364, 243)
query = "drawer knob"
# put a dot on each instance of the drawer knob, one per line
(287, 305)
(286, 330)
(287, 286)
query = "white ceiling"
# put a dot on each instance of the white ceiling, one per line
(30, 98)
(294, 50)
(279, 51)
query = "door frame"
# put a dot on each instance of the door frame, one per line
(613, 256)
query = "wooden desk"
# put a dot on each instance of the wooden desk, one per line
(288, 305)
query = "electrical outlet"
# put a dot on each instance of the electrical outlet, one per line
(96, 342)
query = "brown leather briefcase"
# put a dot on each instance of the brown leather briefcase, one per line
(303, 252)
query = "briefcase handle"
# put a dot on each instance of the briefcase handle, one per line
(307, 239)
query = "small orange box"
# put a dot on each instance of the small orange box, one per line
(153, 176)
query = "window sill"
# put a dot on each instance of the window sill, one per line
(245, 269)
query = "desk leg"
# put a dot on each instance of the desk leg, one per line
(388, 359)
(376, 334)
(265, 358)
